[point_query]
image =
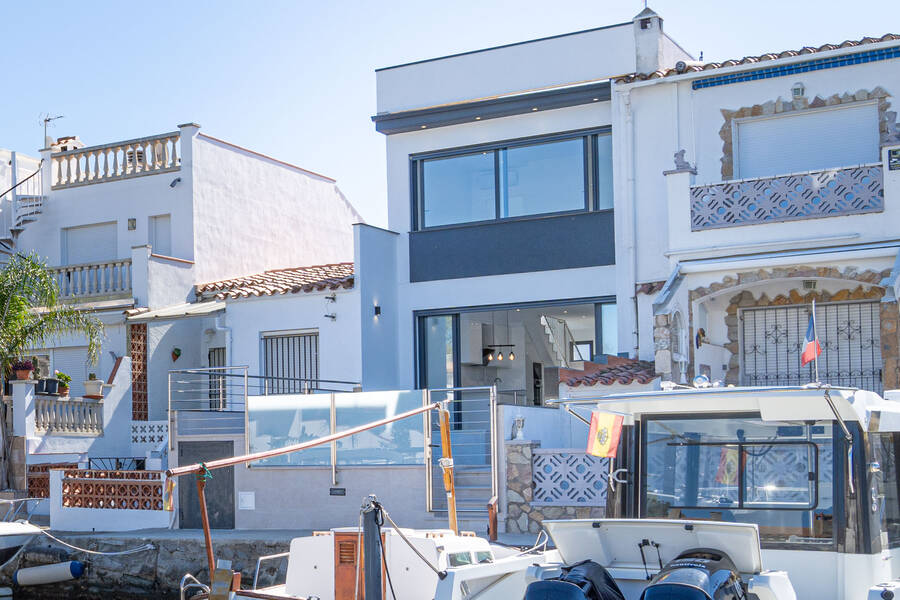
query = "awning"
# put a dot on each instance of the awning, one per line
(177, 311)
(795, 403)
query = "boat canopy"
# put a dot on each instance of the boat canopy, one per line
(873, 412)
(617, 543)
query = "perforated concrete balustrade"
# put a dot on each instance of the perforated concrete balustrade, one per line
(828, 193)
(119, 160)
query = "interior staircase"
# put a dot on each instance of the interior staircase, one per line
(560, 340)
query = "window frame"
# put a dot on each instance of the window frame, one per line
(288, 382)
(590, 167)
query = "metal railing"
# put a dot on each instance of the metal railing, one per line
(119, 160)
(107, 278)
(562, 340)
(473, 420)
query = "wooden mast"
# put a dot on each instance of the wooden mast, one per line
(446, 463)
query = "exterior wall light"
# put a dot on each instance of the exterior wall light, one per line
(377, 310)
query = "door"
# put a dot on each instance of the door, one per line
(219, 488)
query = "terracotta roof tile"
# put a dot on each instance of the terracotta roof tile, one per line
(280, 281)
(631, 77)
(618, 370)
(649, 288)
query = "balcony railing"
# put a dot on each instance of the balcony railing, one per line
(110, 278)
(54, 415)
(119, 160)
(131, 490)
(828, 193)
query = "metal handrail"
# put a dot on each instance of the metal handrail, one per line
(186, 585)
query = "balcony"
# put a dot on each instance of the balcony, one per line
(67, 416)
(815, 194)
(109, 279)
(113, 162)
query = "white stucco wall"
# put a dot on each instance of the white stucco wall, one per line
(339, 339)
(254, 213)
(162, 338)
(572, 58)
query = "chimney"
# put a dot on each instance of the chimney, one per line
(69, 142)
(648, 32)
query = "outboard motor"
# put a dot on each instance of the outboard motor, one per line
(698, 574)
(582, 581)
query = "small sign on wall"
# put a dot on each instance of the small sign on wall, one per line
(246, 500)
(894, 159)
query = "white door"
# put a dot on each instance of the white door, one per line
(161, 234)
(849, 334)
(90, 243)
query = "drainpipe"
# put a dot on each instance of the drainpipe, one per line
(631, 245)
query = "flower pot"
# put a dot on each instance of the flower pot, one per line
(50, 386)
(24, 374)
(63, 389)
(93, 387)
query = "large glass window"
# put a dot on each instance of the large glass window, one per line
(777, 475)
(543, 178)
(514, 180)
(886, 493)
(460, 189)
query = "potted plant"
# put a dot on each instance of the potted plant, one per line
(64, 381)
(93, 387)
(23, 369)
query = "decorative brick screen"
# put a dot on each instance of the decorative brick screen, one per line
(135, 490)
(39, 478)
(139, 406)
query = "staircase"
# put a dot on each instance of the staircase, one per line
(20, 205)
(560, 340)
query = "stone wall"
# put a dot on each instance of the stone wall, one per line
(521, 516)
(153, 573)
(890, 344)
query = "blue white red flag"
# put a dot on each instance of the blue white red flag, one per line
(811, 347)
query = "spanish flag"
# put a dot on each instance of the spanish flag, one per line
(603, 439)
(169, 496)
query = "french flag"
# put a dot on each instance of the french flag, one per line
(811, 347)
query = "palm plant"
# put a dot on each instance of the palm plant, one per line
(31, 315)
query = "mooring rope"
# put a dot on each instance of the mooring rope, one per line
(143, 548)
(440, 574)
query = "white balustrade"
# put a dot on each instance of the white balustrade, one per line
(94, 279)
(120, 160)
(66, 416)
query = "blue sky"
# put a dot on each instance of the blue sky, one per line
(296, 79)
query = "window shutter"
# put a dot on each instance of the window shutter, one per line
(91, 243)
(807, 141)
(72, 361)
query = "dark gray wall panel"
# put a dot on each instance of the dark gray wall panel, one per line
(558, 242)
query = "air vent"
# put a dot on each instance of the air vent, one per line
(809, 284)
(346, 553)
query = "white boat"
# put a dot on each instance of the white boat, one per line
(729, 493)
(15, 533)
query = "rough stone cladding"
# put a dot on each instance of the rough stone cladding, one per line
(521, 516)
(887, 119)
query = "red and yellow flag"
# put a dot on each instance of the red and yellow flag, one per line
(169, 495)
(603, 439)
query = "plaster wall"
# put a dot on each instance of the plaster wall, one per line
(376, 282)
(254, 213)
(162, 338)
(566, 59)
(339, 339)
(115, 201)
(670, 116)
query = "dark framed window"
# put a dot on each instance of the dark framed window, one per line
(291, 361)
(582, 350)
(557, 174)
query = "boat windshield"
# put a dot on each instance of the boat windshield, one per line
(741, 469)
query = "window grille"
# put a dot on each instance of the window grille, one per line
(849, 334)
(291, 362)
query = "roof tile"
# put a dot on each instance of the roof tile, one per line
(280, 281)
(755, 59)
(618, 370)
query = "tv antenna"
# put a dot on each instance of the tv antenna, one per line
(46, 119)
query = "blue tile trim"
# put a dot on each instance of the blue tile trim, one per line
(804, 67)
